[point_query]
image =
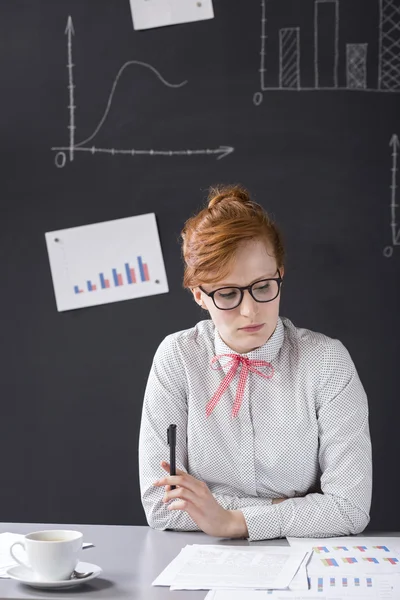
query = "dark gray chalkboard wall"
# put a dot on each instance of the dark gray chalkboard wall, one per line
(71, 384)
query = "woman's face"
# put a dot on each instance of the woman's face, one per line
(251, 263)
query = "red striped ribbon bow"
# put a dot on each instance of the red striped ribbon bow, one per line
(247, 366)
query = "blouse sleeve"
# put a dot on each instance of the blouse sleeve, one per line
(165, 402)
(345, 462)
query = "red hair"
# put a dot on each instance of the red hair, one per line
(212, 237)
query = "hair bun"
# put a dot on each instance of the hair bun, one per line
(211, 238)
(233, 192)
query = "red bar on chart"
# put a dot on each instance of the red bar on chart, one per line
(133, 276)
(120, 282)
(146, 272)
(107, 282)
(94, 287)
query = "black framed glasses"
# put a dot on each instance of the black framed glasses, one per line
(264, 290)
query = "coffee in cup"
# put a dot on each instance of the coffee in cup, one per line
(52, 554)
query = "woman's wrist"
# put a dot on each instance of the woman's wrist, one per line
(237, 524)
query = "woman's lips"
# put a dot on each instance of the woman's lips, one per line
(252, 328)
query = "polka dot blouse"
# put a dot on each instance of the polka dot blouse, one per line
(303, 434)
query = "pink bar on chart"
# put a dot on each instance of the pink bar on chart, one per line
(107, 282)
(133, 276)
(94, 288)
(120, 282)
(146, 272)
(81, 291)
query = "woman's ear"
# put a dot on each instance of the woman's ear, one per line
(198, 298)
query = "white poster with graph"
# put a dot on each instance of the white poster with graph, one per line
(159, 13)
(106, 262)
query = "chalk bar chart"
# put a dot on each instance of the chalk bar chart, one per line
(326, 34)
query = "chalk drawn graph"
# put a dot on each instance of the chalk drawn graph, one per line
(73, 147)
(326, 53)
(394, 225)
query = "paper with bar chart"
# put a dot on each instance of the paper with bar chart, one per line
(323, 588)
(106, 262)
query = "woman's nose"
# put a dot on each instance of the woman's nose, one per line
(248, 306)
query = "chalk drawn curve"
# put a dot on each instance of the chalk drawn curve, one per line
(108, 107)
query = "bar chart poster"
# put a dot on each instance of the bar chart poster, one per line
(106, 262)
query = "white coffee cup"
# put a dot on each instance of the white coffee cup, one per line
(52, 554)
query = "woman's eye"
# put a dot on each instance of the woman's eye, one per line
(227, 294)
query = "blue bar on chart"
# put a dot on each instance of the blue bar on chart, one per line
(117, 278)
(91, 287)
(143, 270)
(105, 283)
(130, 273)
(77, 290)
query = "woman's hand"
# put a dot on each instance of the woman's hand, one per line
(194, 497)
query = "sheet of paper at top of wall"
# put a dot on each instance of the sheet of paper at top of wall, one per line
(147, 14)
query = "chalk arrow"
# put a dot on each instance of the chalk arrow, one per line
(70, 27)
(394, 143)
(221, 152)
(224, 151)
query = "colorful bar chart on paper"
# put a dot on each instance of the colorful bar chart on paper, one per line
(118, 277)
(352, 561)
(106, 262)
(323, 584)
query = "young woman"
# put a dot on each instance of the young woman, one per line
(272, 420)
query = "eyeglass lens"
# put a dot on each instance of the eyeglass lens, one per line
(263, 291)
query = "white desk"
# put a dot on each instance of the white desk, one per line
(131, 558)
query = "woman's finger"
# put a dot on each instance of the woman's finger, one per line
(179, 505)
(181, 494)
(181, 481)
(166, 466)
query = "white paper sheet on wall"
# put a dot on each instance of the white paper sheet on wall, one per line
(106, 262)
(159, 13)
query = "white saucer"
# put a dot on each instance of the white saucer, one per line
(27, 576)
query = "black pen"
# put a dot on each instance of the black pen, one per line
(171, 439)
